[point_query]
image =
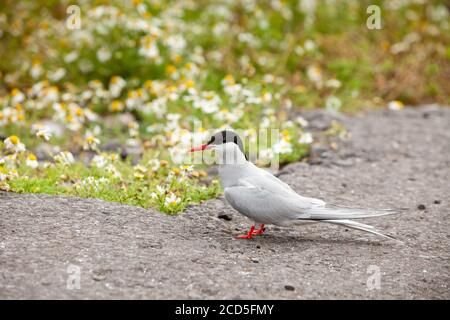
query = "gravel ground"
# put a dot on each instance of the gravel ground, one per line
(393, 159)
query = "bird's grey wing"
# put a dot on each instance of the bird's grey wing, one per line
(272, 178)
(265, 180)
(264, 206)
(314, 209)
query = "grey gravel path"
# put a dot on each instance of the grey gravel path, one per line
(397, 159)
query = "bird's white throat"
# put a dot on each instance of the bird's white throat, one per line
(229, 154)
(232, 164)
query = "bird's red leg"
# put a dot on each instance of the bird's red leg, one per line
(249, 234)
(260, 230)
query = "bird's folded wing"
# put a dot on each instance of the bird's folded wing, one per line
(271, 178)
(263, 204)
(272, 184)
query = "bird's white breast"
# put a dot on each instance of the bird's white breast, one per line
(231, 173)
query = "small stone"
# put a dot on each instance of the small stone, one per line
(437, 201)
(225, 217)
(98, 277)
(289, 288)
(254, 260)
(46, 282)
(344, 162)
(111, 146)
(318, 150)
(421, 207)
(315, 161)
(132, 152)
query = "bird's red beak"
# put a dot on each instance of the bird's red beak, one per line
(201, 148)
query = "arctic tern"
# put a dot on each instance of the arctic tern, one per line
(265, 199)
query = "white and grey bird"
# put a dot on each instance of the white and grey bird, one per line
(265, 199)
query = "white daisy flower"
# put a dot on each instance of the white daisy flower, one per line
(333, 103)
(44, 133)
(90, 141)
(396, 105)
(65, 158)
(171, 201)
(32, 161)
(306, 138)
(12, 143)
(104, 54)
(283, 146)
(99, 161)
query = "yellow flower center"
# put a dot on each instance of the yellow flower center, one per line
(148, 84)
(229, 78)
(114, 79)
(14, 139)
(285, 134)
(170, 69)
(116, 105)
(69, 118)
(79, 112)
(190, 83)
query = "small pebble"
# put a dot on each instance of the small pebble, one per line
(421, 207)
(289, 288)
(437, 201)
(255, 260)
(46, 282)
(98, 277)
(225, 217)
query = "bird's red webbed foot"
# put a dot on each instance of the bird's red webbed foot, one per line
(252, 232)
(249, 234)
(260, 230)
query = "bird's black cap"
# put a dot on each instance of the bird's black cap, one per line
(226, 136)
